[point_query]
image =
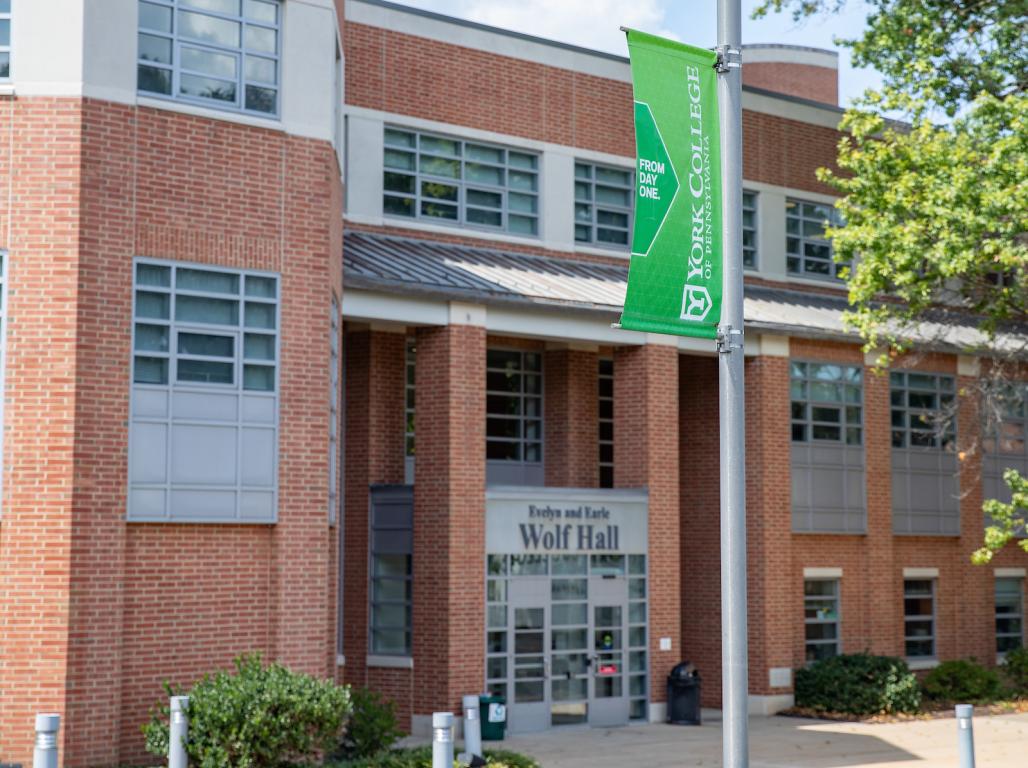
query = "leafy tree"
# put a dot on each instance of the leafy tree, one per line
(936, 206)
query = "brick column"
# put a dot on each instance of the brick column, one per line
(449, 517)
(571, 410)
(773, 631)
(700, 488)
(374, 446)
(646, 455)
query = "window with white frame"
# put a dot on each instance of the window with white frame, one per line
(466, 183)
(218, 53)
(808, 252)
(514, 406)
(749, 229)
(1009, 614)
(392, 548)
(604, 197)
(821, 618)
(919, 618)
(922, 410)
(5, 39)
(826, 403)
(606, 421)
(203, 443)
(333, 413)
(410, 368)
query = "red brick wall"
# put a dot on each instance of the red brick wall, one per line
(646, 455)
(95, 185)
(571, 431)
(806, 81)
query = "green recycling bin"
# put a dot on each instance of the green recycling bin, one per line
(493, 712)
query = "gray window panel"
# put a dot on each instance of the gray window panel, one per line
(749, 229)
(215, 416)
(604, 205)
(465, 183)
(1005, 442)
(919, 617)
(391, 570)
(808, 252)
(200, 51)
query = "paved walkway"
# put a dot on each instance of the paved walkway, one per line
(782, 742)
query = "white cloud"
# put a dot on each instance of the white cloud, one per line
(588, 23)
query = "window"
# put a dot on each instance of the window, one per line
(392, 546)
(808, 251)
(219, 53)
(1009, 614)
(826, 403)
(603, 204)
(450, 181)
(409, 365)
(749, 229)
(606, 422)
(5, 39)
(1008, 434)
(514, 386)
(919, 617)
(203, 444)
(333, 413)
(821, 618)
(922, 410)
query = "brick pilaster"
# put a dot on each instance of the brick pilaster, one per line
(571, 405)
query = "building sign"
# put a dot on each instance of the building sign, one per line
(565, 521)
(674, 278)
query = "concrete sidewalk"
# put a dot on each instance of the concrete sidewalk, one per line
(1001, 741)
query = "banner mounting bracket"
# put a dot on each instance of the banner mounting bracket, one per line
(729, 339)
(728, 58)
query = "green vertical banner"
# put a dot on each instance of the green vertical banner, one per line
(674, 278)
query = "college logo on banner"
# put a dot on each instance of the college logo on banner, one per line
(674, 279)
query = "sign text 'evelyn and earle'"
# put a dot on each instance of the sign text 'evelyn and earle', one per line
(674, 279)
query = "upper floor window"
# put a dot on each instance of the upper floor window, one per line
(1008, 431)
(603, 204)
(922, 410)
(749, 229)
(606, 421)
(218, 53)
(5, 39)
(514, 406)
(410, 368)
(808, 251)
(451, 181)
(826, 403)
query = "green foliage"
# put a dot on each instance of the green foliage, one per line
(1008, 522)
(963, 681)
(259, 717)
(372, 727)
(421, 757)
(858, 684)
(1015, 670)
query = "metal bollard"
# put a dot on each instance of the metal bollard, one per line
(45, 753)
(965, 735)
(472, 726)
(178, 733)
(442, 740)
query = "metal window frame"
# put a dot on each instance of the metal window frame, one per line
(794, 210)
(239, 330)
(463, 185)
(944, 440)
(920, 617)
(992, 442)
(601, 375)
(837, 621)
(409, 369)
(808, 422)
(241, 81)
(595, 207)
(9, 17)
(373, 603)
(750, 253)
(1019, 581)
(521, 395)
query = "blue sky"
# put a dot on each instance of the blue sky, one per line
(595, 23)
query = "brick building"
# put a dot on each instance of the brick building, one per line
(454, 475)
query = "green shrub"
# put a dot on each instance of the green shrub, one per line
(1015, 669)
(372, 727)
(961, 681)
(260, 717)
(858, 684)
(421, 757)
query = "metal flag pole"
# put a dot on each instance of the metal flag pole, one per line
(735, 689)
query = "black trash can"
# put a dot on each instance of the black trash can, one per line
(683, 695)
(493, 713)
